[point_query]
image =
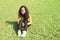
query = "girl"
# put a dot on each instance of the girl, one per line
(24, 20)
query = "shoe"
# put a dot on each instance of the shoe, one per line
(19, 33)
(23, 34)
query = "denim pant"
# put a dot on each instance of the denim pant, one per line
(25, 24)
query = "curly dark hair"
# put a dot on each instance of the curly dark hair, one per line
(26, 13)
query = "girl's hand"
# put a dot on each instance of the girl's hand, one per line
(23, 24)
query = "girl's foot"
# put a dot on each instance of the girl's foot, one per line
(19, 33)
(23, 34)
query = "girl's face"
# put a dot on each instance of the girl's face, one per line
(23, 10)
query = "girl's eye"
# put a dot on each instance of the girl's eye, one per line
(21, 10)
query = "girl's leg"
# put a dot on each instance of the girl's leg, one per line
(26, 25)
(20, 25)
(19, 28)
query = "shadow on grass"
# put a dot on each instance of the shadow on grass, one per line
(15, 25)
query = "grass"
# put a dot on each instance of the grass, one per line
(45, 15)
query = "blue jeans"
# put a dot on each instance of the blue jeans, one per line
(25, 24)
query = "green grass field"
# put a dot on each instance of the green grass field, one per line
(45, 15)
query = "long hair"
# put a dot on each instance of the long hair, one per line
(26, 15)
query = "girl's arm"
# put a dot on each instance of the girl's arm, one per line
(29, 20)
(19, 19)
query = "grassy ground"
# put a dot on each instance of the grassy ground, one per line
(45, 15)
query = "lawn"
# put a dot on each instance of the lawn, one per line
(45, 16)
